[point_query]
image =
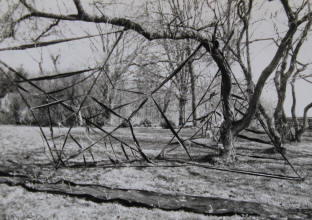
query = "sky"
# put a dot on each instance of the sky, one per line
(78, 55)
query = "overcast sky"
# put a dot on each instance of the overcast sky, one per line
(78, 55)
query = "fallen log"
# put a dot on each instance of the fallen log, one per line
(147, 199)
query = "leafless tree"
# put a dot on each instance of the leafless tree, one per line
(213, 33)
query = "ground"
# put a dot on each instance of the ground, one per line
(23, 148)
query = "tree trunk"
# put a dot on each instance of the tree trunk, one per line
(193, 84)
(167, 98)
(231, 128)
(226, 132)
(226, 136)
(273, 134)
(280, 122)
(182, 102)
(293, 112)
(305, 121)
(298, 131)
(254, 100)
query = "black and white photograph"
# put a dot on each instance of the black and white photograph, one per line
(156, 109)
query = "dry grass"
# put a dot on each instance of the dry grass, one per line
(24, 145)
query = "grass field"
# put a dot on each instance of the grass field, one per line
(23, 147)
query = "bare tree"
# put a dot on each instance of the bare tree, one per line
(205, 33)
(299, 129)
(244, 12)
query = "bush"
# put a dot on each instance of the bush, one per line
(165, 125)
(11, 106)
(6, 118)
(124, 124)
(146, 123)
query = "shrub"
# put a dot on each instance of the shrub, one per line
(146, 123)
(165, 125)
(124, 124)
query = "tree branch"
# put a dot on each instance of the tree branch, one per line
(288, 11)
(254, 101)
(79, 7)
(298, 46)
(305, 115)
(55, 23)
(122, 22)
(27, 5)
(52, 42)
